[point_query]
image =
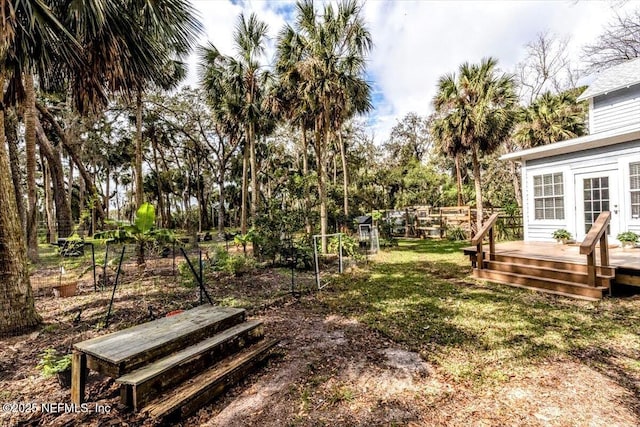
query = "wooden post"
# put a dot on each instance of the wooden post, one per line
(78, 376)
(591, 269)
(604, 251)
(492, 246)
(479, 256)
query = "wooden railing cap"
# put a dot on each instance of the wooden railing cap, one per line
(595, 233)
(485, 229)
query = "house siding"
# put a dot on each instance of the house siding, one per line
(615, 159)
(614, 110)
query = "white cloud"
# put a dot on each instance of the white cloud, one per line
(219, 19)
(418, 41)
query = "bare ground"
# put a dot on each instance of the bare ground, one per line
(326, 370)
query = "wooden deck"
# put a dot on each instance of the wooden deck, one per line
(542, 260)
(618, 257)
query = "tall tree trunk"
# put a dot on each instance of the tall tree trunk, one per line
(456, 159)
(107, 195)
(70, 188)
(30, 142)
(86, 177)
(321, 141)
(17, 309)
(255, 196)
(345, 175)
(305, 175)
(221, 200)
(138, 157)
(201, 207)
(11, 132)
(48, 200)
(243, 202)
(517, 189)
(478, 184)
(163, 219)
(54, 161)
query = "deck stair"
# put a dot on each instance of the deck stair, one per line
(557, 276)
(194, 367)
(552, 276)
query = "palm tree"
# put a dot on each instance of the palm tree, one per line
(324, 54)
(551, 118)
(33, 34)
(448, 143)
(241, 82)
(249, 38)
(129, 45)
(478, 106)
(35, 20)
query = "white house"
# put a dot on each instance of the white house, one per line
(567, 184)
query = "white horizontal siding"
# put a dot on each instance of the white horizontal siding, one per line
(615, 110)
(614, 157)
(616, 116)
(543, 232)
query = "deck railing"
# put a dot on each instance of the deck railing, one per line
(597, 233)
(487, 228)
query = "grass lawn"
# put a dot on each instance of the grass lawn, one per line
(420, 294)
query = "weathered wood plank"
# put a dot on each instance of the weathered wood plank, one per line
(209, 384)
(628, 279)
(78, 376)
(147, 382)
(557, 273)
(148, 338)
(536, 283)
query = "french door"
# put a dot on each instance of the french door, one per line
(595, 193)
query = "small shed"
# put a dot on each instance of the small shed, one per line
(364, 219)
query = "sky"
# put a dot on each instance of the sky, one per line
(416, 42)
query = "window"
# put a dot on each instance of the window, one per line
(634, 185)
(548, 196)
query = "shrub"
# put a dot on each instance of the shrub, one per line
(628, 237)
(52, 363)
(561, 234)
(456, 233)
(349, 245)
(239, 265)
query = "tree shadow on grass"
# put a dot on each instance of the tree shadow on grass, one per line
(435, 308)
(607, 362)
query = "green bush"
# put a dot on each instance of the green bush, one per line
(561, 234)
(52, 363)
(220, 258)
(239, 265)
(628, 237)
(456, 233)
(349, 245)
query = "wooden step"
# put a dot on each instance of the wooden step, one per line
(541, 261)
(142, 385)
(546, 272)
(199, 390)
(552, 264)
(154, 340)
(558, 287)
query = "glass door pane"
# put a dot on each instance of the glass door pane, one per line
(596, 200)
